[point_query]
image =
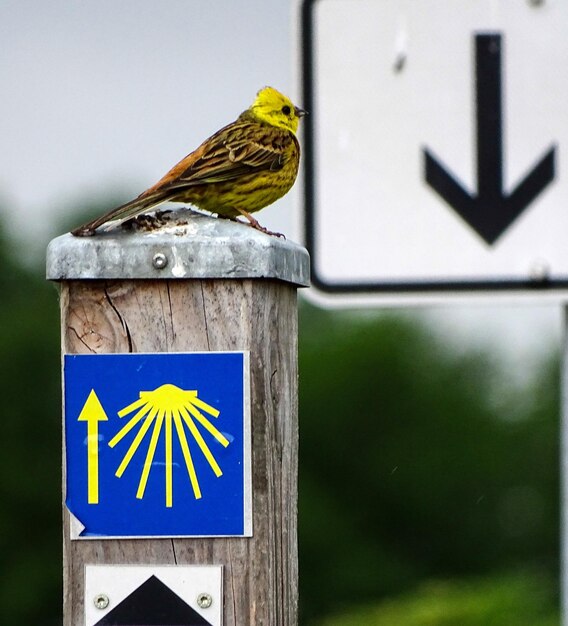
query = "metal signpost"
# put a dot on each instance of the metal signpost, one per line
(434, 168)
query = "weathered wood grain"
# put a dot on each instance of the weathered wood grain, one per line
(260, 572)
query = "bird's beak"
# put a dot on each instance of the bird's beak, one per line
(300, 112)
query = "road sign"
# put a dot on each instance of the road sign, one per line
(489, 210)
(432, 152)
(150, 595)
(158, 444)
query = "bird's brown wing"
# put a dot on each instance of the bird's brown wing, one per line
(234, 151)
(240, 148)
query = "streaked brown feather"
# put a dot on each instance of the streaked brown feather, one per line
(229, 154)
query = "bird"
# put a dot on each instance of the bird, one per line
(240, 169)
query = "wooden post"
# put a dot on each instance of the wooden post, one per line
(205, 285)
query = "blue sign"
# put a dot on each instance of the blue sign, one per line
(158, 444)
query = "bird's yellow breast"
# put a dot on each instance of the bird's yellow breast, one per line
(250, 192)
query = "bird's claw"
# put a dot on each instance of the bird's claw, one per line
(264, 230)
(254, 224)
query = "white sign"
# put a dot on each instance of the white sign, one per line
(434, 145)
(140, 594)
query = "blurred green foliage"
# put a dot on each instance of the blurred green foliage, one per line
(515, 600)
(418, 462)
(30, 466)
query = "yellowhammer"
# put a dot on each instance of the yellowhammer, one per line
(242, 168)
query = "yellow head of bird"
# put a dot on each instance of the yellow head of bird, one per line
(276, 109)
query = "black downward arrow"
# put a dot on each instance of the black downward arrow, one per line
(489, 212)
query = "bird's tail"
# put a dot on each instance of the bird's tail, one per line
(125, 211)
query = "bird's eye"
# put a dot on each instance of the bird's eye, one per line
(286, 109)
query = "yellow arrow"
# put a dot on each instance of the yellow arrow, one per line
(93, 413)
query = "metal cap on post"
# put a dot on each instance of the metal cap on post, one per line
(195, 247)
(160, 325)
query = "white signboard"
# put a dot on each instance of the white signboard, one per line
(434, 149)
(153, 594)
